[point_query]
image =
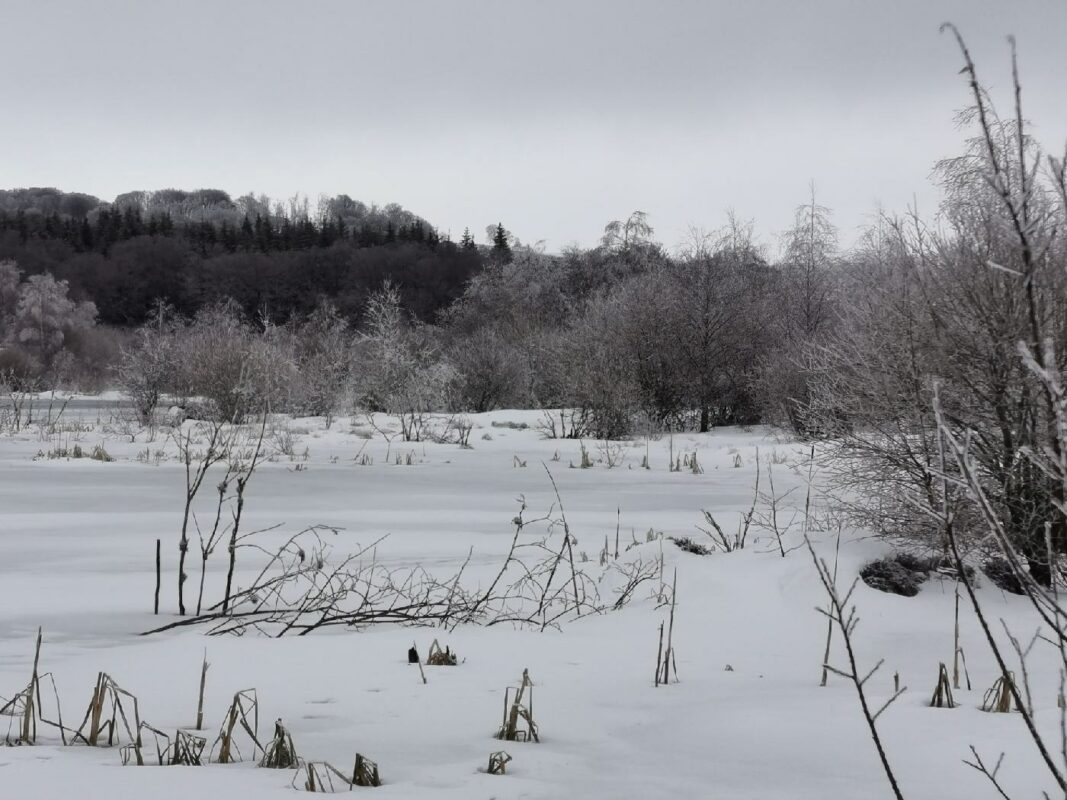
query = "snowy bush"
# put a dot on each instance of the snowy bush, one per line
(1002, 575)
(237, 370)
(889, 575)
(489, 372)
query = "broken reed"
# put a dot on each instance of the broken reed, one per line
(665, 660)
(519, 711)
(107, 693)
(188, 749)
(200, 700)
(998, 698)
(365, 772)
(942, 697)
(440, 658)
(280, 752)
(322, 776)
(111, 705)
(27, 708)
(245, 705)
(498, 763)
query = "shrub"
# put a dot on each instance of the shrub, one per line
(490, 372)
(889, 575)
(237, 369)
(912, 562)
(689, 546)
(1000, 572)
(18, 370)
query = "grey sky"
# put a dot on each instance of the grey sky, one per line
(551, 116)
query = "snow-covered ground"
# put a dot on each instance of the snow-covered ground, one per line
(747, 719)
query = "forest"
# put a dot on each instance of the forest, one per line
(498, 314)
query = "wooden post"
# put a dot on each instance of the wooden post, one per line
(158, 573)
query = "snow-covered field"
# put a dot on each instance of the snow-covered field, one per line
(747, 718)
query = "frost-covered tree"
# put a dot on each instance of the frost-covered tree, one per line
(717, 293)
(10, 276)
(148, 363)
(598, 369)
(622, 235)
(804, 315)
(45, 317)
(401, 370)
(810, 251)
(323, 356)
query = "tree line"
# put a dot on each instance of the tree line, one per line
(189, 248)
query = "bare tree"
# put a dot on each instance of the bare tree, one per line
(200, 446)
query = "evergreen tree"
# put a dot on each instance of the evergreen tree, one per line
(248, 234)
(501, 252)
(86, 235)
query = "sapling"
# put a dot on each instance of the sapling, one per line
(830, 626)
(214, 451)
(243, 477)
(843, 616)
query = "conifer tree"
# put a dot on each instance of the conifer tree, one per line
(501, 248)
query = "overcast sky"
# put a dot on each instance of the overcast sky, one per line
(553, 117)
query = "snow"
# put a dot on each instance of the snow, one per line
(746, 720)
